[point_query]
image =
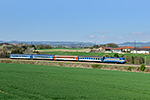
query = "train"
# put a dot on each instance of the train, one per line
(102, 59)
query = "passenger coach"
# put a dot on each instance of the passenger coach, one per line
(43, 56)
(64, 57)
(20, 56)
(91, 58)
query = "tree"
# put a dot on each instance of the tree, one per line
(128, 59)
(91, 47)
(95, 46)
(116, 55)
(142, 67)
(113, 45)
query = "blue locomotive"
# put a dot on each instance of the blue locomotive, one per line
(70, 58)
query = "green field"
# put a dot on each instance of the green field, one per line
(94, 54)
(23, 81)
(63, 48)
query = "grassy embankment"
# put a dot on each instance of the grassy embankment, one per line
(23, 81)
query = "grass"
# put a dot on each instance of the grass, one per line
(23, 81)
(71, 53)
(63, 48)
(94, 54)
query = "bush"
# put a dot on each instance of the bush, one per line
(129, 68)
(60, 64)
(95, 66)
(138, 60)
(128, 59)
(147, 70)
(8, 61)
(142, 67)
(134, 60)
(116, 55)
(106, 55)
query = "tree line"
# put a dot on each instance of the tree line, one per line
(5, 51)
(113, 45)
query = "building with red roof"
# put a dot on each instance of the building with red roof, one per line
(146, 47)
(107, 48)
(127, 49)
(117, 50)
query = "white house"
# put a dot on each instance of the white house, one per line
(117, 50)
(141, 50)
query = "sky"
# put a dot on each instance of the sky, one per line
(97, 21)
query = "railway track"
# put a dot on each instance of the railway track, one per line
(131, 65)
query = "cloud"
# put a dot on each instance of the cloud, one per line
(104, 31)
(139, 36)
(137, 33)
(91, 36)
(101, 37)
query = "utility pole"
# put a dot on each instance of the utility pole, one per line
(31, 42)
(96, 48)
(135, 45)
(145, 58)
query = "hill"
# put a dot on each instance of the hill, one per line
(53, 43)
(137, 44)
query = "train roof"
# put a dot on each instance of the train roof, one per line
(66, 55)
(20, 54)
(114, 57)
(92, 56)
(33, 54)
(41, 55)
